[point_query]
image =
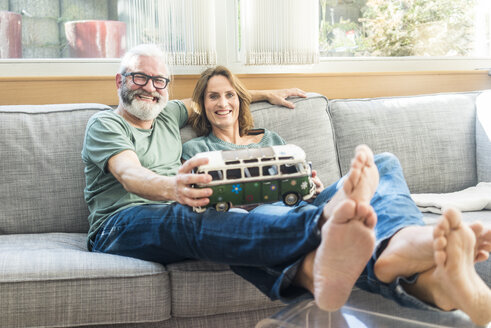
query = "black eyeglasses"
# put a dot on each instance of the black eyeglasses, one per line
(141, 79)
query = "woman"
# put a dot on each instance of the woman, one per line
(223, 121)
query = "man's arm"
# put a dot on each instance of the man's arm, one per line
(188, 102)
(274, 97)
(135, 178)
(277, 97)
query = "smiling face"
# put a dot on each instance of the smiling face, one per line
(221, 103)
(143, 102)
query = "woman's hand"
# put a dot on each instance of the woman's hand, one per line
(319, 186)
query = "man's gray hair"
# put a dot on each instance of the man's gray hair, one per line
(149, 50)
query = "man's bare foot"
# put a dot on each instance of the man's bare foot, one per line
(347, 243)
(360, 183)
(362, 180)
(457, 285)
(410, 251)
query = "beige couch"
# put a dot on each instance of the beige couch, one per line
(49, 279)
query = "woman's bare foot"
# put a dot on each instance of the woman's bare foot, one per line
(347, 243)
(410, 251)
(457, 285)
(483, 241)
(360, 183)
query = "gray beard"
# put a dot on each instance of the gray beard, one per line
(140, 109)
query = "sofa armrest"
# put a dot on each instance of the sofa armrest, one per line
(483, 136)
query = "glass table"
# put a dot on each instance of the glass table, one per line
(363, 310)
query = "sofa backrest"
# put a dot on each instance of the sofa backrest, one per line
(42, 179)
(433, 136)
(308, 126)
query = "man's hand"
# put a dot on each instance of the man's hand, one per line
(278, 97)
(184, 192)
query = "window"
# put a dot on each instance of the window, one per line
(352, 35)
(396, 28)
(216, 175)
(251, 172)
(106, 28)
(185, 28)
(270, 170)
(234, 174)
(289, 169)
(279, 32)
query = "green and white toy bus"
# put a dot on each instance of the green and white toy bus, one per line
(255, 176)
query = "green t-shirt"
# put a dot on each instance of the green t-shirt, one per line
(211, 142)
(107, 134)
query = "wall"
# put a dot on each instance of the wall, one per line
(51, 90)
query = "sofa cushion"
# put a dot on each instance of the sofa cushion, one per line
(205, 288)
(432, 135)
(483, 136)
(308, 126)
(51, 280)
(41, 168)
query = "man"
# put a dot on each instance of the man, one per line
(140, 201)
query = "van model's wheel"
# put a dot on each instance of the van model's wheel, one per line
(199, 209)
(290, 198)
(222, 206)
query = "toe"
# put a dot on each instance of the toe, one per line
(453, 217)
(477, 227)
(440, 258)
(481, 256)
(440, 243)
(367, 153)
(343, 213)
(366, 214)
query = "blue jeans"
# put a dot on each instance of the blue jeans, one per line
(265, 246)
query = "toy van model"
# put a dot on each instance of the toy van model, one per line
(255, 176)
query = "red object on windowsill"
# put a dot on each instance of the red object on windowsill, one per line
(10, 35)
(96, 38)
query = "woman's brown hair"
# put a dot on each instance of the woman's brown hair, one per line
(200, 122)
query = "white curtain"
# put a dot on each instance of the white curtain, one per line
(279, 32)
(482, 29)
(183, 28)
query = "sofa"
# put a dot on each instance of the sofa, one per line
(49, 279)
